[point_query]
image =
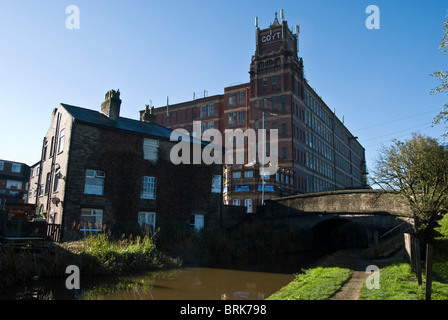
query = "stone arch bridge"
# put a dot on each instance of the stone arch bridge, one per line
(351, 216)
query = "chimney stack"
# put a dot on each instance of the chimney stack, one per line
(111, 104)
(148, 114)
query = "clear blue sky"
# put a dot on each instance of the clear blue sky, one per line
(378, 81)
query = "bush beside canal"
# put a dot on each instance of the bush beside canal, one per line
(95, 255)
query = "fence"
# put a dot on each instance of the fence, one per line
(54, 232)
(412, 247)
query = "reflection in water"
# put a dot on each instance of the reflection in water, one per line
(182, 284)
(193, 284)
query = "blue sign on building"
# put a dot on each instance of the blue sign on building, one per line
(242, 188)
(267, 187)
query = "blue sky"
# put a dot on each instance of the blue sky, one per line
(378, 81)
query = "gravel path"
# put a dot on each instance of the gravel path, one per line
(350, 259)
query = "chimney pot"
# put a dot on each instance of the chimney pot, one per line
(111, 104)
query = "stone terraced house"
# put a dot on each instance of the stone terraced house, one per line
(98, 170)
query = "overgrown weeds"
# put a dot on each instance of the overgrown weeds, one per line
(95, 255)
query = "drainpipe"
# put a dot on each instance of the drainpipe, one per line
(53, 161)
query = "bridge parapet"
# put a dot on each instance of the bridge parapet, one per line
(338, 202)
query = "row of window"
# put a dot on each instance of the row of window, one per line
(92, 220)
(206, 126)
(94, 184)
(279, 176)
(16, 167)
(17, 185)
(234, 120)
(208, 110)
(319, 146)
(247, 204)
(318, 109)
(60, 145)
(266, 80)
(274, 103)
(317, 164)
(240, 98)
(45, 188)
(314, 184)
(269, 63)
(318, 127)
(274, 125)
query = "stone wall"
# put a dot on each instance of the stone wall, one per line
(344, 201)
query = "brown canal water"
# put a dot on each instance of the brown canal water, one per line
(180, 284)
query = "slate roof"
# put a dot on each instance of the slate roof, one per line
(99, 119)
(134, 126)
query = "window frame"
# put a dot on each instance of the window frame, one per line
(93, 213)
(61, 141)
(144, 223)
(149, 188)
(97, 174)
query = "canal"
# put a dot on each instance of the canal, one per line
(178, 284)
(189, 283)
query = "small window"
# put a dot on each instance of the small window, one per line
(149, 188)
(151, 149)
(56, 180)
(47, 183)
(197, 221)
(236, 174)
(236, 202)
(248, 174)
(204, 111)
(274, 103)
(2, 165)
(211, 110)
(232, 99)
(16, 167)
(283, 103)
(52, 147)
(44, 151)
(241, 117)
(91, 219)
(216, 184)
(274, 79)
(61, 141)
(242, 97)
(248, 205)
(12, 184)
(231, 119)
(147, 221)
(94, 182)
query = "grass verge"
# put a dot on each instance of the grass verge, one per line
(398, 283)
(315, 284)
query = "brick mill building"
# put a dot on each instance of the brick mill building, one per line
(99, 171)
(316, 151)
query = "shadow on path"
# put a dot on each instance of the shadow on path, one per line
(351, 259)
